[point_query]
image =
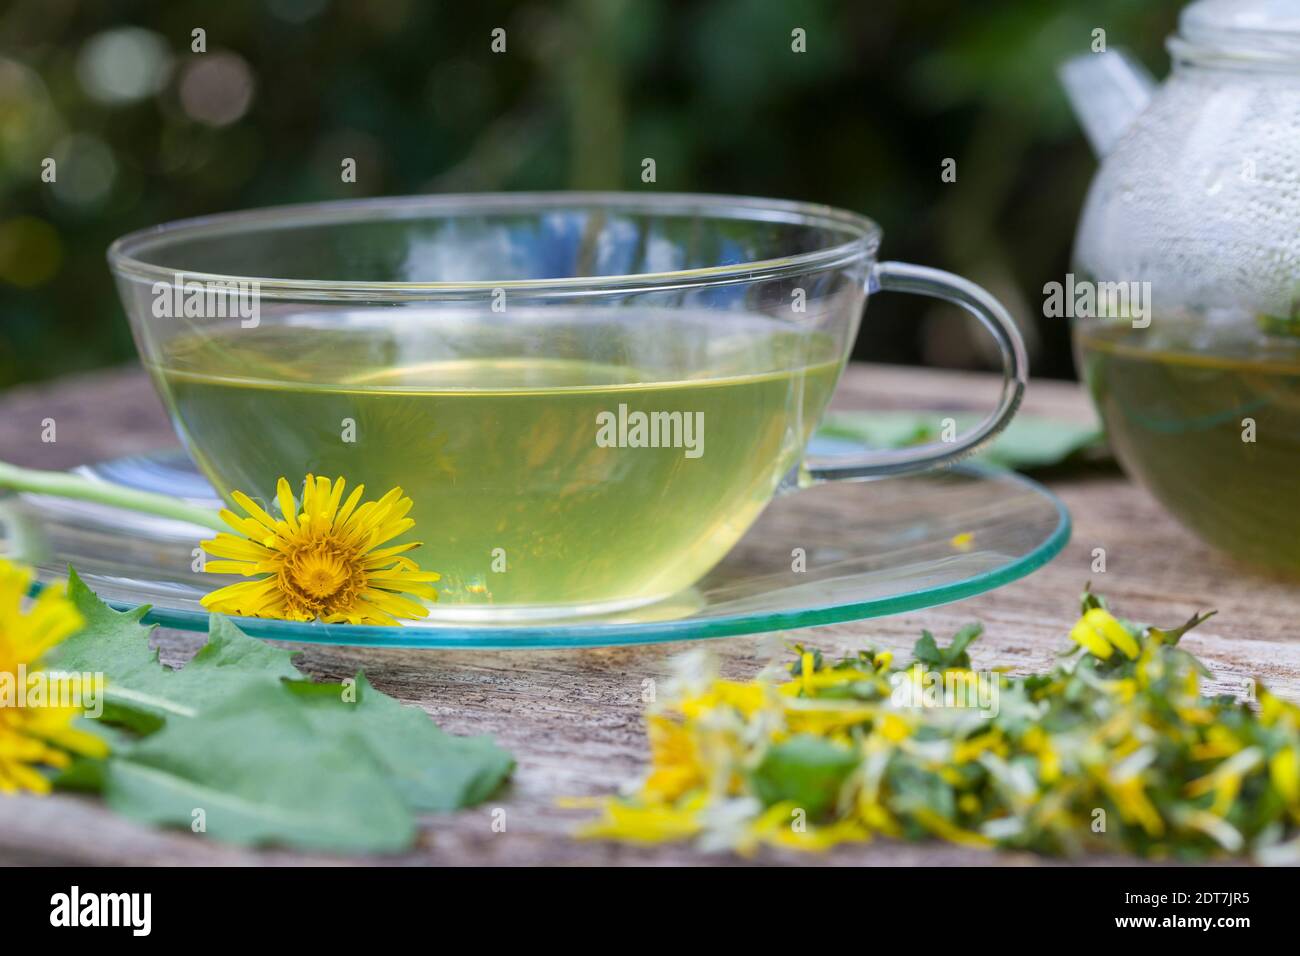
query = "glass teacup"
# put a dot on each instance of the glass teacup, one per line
(588, 397)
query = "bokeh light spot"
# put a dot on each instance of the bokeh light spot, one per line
(28, 120)
(123, 65)
(217, 88)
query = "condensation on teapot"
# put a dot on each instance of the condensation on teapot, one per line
(1197, 202)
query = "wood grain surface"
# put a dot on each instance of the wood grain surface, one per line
(573, 719)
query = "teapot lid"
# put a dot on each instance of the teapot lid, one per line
(1246, 27)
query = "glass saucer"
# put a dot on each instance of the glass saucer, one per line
(839, 551)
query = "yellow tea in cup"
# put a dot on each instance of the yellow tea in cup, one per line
(553, 476)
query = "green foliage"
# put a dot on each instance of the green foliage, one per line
(256, 769)
(141, 693)
(433, 770)
(927, 651)
(1028, 444)
(241, 741)
(806, 771)
(712, 90)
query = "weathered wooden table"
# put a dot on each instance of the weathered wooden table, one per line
(573, 718)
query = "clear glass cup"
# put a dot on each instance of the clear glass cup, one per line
(589, 397)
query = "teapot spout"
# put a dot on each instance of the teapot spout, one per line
(1107, 91)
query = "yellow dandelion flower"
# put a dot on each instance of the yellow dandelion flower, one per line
(876, 817)
(1100, 633)
(893, 728)
(24, 638)
(832, 677)
(653, 823)
(1134, 805)
(1274, 711)
(675, 759)
(1225, 780)
(949, 831)
(746, 698)
(964, 751)
(1284, 771)
(32, 737)
(812, 716)
(1219, 743)
(783, 825)
(321, 561)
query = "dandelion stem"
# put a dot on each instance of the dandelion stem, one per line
(65, 485)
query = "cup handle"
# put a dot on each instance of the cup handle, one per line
(920, 280)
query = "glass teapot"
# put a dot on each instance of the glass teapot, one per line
(1186, 272)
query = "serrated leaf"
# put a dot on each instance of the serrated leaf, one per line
(260, 771)
(426, 768)
(955, 653)
(927, 650)
(228, 648)
(114, 643)
(434, 770)
(140, 691)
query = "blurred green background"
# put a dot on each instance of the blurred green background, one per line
(144, 130)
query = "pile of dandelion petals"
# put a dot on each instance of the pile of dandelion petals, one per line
(1115, 750)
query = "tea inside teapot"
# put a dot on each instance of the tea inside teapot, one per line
(1210, 423)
